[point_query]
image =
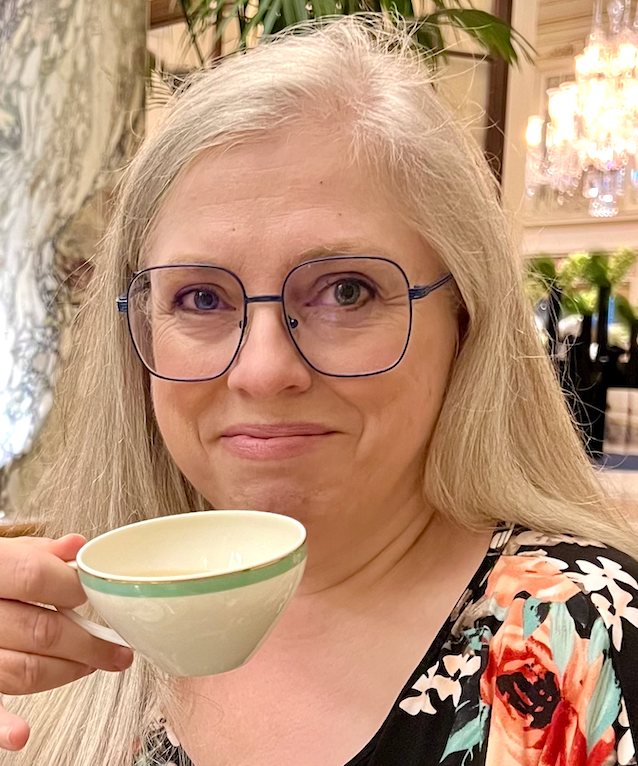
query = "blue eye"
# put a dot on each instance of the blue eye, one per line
(205, 300)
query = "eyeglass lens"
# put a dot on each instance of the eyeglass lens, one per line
(347, 316)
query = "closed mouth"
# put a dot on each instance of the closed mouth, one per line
(277, 430)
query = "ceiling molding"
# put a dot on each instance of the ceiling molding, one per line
(563, 27)
(579, 235)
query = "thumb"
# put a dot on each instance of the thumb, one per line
(14, 732)
(65, 548)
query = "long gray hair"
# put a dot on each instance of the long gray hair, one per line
(504, 447)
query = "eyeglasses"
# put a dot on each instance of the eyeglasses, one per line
(347, 316)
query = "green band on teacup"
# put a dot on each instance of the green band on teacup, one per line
(212, 584)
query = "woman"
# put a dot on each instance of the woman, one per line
(410, 420)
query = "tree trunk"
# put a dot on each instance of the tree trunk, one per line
(71, 96)
(603, 323)
(598, 403)
(582, 375)
(554, 300)
(632, 364)
(582, 358)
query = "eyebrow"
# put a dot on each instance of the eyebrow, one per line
(345, 247)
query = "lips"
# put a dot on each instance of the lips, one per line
(277, 430)
(274, 441)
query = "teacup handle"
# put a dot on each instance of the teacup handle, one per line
(99, 631)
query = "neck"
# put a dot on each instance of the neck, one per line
(354, 562)
(411, 566)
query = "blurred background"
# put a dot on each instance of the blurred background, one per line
(549, 89)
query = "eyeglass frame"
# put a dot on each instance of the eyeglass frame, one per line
(416, 293)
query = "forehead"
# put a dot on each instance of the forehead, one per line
(261, 209)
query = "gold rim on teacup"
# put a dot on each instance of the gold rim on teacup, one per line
(195, 583)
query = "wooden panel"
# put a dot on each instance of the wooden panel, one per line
(551, 11)
(497, 101)
(163, 12)
(19, 530)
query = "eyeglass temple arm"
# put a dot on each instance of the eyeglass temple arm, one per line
(421, 291)
(122, 304)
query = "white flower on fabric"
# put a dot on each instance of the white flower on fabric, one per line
(457, 666)
(421, 704)
(460, 665)
(608, 575)
(500, 538)
(626, 750)
(613, 612)
(539, 538)
(447, 687)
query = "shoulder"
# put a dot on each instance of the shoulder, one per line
(556, 568)
(569, 551)
(539, 664)
(565, 613)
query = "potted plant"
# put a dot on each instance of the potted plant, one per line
(583, 285)
(257, 18)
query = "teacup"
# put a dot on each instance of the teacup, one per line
(196, 594)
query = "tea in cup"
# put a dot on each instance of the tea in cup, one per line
(196, 594)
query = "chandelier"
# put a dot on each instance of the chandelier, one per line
(588, 144)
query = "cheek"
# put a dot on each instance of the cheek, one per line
(177, 411)
(404, 408)
(398, 411)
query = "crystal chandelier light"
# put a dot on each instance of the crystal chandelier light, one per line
(589, 143)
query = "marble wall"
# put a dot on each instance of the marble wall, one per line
(72, 77)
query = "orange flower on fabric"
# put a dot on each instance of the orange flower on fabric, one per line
(541, 676)
(538, 577)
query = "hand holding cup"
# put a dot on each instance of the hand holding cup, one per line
(40, 648)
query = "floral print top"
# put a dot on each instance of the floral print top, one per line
(536, 666)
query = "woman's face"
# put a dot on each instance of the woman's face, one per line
(260, 210)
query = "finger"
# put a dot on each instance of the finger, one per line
(65, 547)
(14, 732)
(22, 673)
(36, 630)
(32, 573)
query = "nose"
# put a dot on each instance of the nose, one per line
(268, 364)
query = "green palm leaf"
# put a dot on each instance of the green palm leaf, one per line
(620, 263)
(624, 310)
(543, 271)
(272, 17)
(493, 35)
(322, 8)
(581, 302)
(293, 11)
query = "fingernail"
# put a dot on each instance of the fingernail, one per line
(5, 734)
(124, 659)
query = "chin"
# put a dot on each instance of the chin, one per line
(281, 496)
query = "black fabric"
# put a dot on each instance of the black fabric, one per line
(537, 665)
